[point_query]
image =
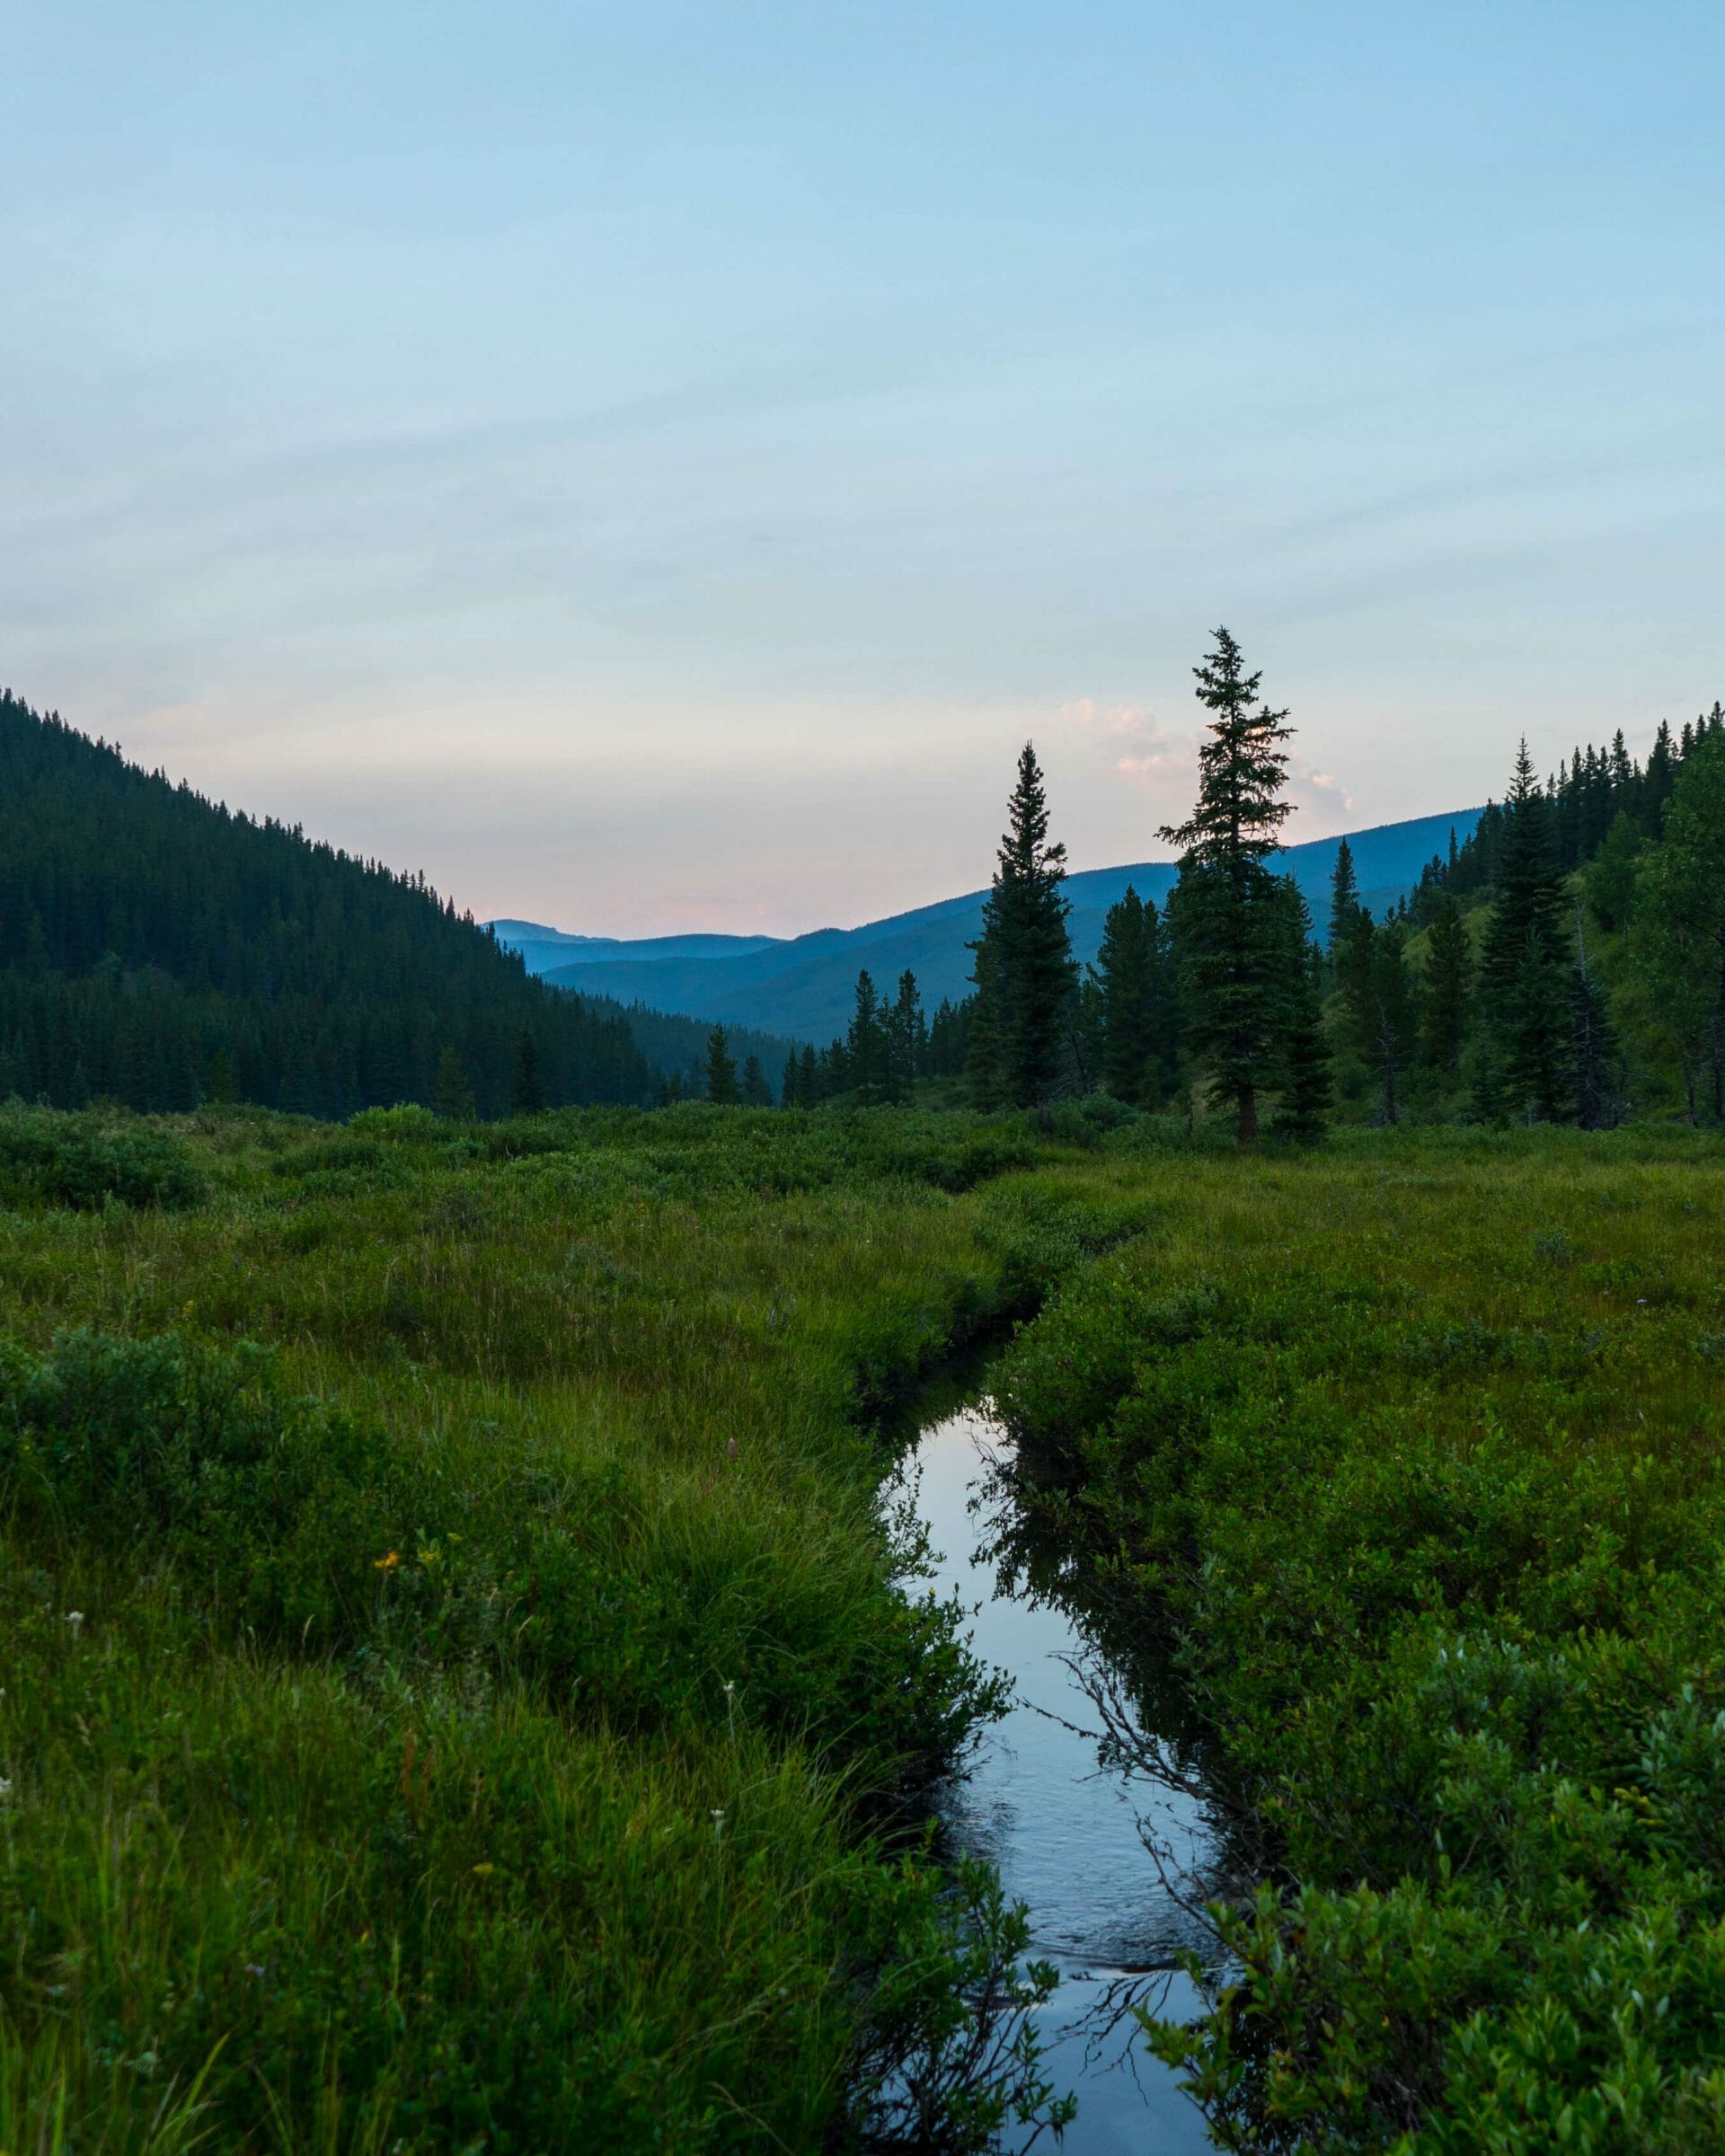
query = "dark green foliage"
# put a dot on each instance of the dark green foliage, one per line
(1448, 986)
(1137, 1018)
(1609, 879)
(1383, 1007)
(527, 1088)
(1019, 1037)
(1522, 976)
(86, 1162)
(1306, 1094)
(1679, 934)
(756, 1091)
(866, 1045)
(452, 1096)
(676, 1046)
(1595, 1054)
(159, 951)
(1344, 899)
(1226, 913)
(722, 1070)
(907, 1032)
(949, 1039)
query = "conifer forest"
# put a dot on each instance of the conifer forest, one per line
(478, 1674)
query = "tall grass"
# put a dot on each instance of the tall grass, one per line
(459, 1690)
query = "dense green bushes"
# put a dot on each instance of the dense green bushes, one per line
(1416, 1458)
(82, 1161)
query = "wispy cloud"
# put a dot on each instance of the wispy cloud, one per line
(1158, 761)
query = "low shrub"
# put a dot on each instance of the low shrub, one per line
(85, 1161)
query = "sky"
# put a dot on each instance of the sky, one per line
(652, 467)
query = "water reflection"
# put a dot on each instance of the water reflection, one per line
(1067, 1832)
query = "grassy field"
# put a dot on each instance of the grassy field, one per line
(1410, 1452)
(459, 1691)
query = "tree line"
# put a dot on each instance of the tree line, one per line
(1565, 962)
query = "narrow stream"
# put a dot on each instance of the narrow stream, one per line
(1065, 1835)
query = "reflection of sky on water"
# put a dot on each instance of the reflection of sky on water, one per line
(1065, 1835)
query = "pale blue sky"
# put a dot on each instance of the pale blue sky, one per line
(652, 467)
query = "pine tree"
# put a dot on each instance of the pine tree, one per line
(1656, 781)
(1448, 967)
(1131, 977)
(721, 1071)
(1678, 937)
(1226, 911)
(906, 1035)
(1024, 973)
(867, 1046)
(1383, 1007)
(526, 1088)
(1344, 899)
(756, 1091)
(791, 1082)
(1303, 1109)
(1522, 974)
(809, 1076)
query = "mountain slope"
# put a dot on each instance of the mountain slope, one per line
(155, 947)
(803, 987)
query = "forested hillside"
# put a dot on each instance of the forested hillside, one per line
(159, 949)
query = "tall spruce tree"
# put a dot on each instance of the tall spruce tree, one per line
(1124, 975)
(1447, 970)
(1344, 900)
(1678, 933)
(1382, 1006)
(1522, 974)
(1228, 912)
(722, 1070)
(1303, 1107)
(867, 1045)
(755, 1090)
(1024, 975)
(907, 1039)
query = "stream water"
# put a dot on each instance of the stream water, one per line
(1066, 1835)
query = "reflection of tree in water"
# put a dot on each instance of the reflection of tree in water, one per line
(1147, 1724)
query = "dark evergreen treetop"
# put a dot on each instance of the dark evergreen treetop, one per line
(160, 949)
(1527, 886)
(1241, 768)
(1239, 957)
(1025, 976)
(1344, 898)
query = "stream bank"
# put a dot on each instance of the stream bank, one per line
(1066, 1833)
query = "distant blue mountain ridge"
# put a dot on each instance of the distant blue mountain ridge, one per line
(803, 987)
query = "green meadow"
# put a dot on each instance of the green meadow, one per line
(462, 1692)
(1407, 1457)
(460, 1689)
